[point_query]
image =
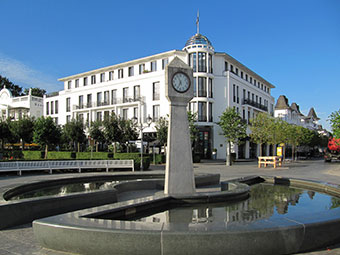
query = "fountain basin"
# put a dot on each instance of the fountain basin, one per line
(118, 229)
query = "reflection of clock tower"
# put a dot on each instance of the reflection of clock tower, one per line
(179, 176)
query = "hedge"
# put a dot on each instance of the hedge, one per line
(159, 158)
(136, 157)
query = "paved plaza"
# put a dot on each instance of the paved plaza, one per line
(20, 240)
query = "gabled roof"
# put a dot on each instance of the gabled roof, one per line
(295, 107)
(282, 103)
(312, 114)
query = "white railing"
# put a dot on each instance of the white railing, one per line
(20, 166)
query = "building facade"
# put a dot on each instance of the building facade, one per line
(19, 107)
(292, 115)
(137, 89)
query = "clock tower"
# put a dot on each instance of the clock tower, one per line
(179, 175)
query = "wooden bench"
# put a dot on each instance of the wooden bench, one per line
(270, 160)
(20, 166)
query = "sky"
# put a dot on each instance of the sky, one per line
(293, 44)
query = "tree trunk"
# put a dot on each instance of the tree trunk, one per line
(293, 153)
(22, 145)
(274, 150)
(97, 146)
(260, 149)
(78, 147)
(46, 150)
(228, 159)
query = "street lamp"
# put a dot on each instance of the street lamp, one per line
(141, 127)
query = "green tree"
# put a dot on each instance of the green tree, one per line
(112, 131)
(233, 128)
(74, 132)
(128, 131)
(162, 126)
(192, 118)
(38, 92)
(334, 119)
(23, 129)
(15, 89)
(96, 132)
(5, 132)
(261, 130)
(46, 133)
(276, 133)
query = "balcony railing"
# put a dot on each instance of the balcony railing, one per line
(255, 104)
(115, 101)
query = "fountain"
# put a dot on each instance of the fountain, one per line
(251, 215)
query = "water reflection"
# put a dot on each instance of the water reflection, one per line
(266, 201)
(62, 190)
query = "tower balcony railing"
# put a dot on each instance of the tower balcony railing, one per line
(255, 104)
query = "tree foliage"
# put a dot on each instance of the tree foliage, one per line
(5, 132)
(38, 92)
(233, 129)
(46, 133)
(261, 127)
(96, 132)
(23, 129)
(192, 118)
(15, 89)
(334, 119)
(162, 126)
(74, 132)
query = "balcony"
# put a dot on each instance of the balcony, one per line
(255, 104)
(115, 101)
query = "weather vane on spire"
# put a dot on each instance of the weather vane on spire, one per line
(198, 22)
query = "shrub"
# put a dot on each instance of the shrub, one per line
(32, 155)
(95, 155)
(136, 157)
(159, 158)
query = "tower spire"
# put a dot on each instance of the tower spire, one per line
(198, 22)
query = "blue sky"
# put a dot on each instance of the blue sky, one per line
(294, 44)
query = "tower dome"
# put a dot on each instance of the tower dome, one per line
(198, 39)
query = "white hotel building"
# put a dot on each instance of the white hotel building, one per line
(137, 89)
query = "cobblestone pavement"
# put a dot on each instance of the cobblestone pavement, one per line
(20, 240)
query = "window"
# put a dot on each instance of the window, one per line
(136, 92)
(113, 96)
(246, 77)
(195, 87)
(120, 74)
(252, 97)
(153, 66)
(165, 61)
(141, 68)
(68, 118)
(155, 91)
(102, 77)
(69, 84)
(236, 71)
(52, 107)
(250, 79)
(106, 97)
(202, 62)
(234, 94)
(202, 111)
(210, 69)
(56, 107)
(241, 74)
(254, 82)
(99, 99)
(47, 108)
(135, 112)
(155, 112)
(244, 95)
(125, 95)
(68, 104)
(210, 112)
(226, 66)
(202, 87)
(131, 71)
(210, 88)
(244, 114)
(85, 81)
(238, 99)
(93, 79)
(125, 114)
(89, 100)
(76, 83)
(106, 115)
(111, 73)
(99, 116)
(192, 61)
(262, 86)
(232, 68)
(257, 99)
(81, 102)
(56, 121)
(248, 95)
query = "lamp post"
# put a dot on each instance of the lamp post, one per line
(141, 127)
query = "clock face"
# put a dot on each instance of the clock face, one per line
(180, 82)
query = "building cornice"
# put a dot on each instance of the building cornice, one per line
(125, 64)
(250, 72)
